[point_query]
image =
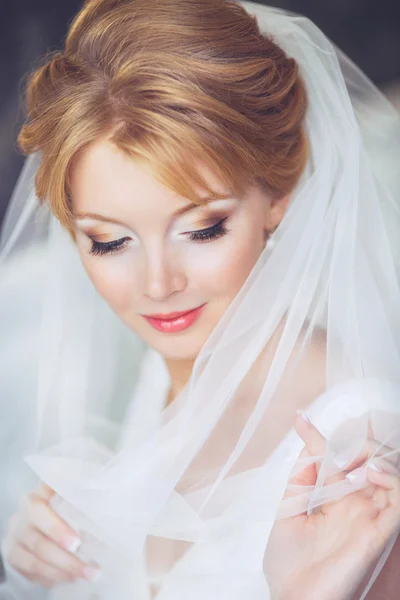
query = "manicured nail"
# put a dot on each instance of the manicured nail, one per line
(304, 415)
(91, 573)
(341, 462)
(375, 467)
(356, 476)
(72, 544)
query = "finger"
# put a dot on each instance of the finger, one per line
(379, 493)
(359, 477)
(389, 480)
(383, 465)
(388, 453)
(373, 450)
(314, 440)
(370, 429)
(33, 568)
(44, 491)
(305, 472)
(46, 550)
(361, 474)
(45, 519)
(388, 520)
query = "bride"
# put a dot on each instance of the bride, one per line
(211, 354)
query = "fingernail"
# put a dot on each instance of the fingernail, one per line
(92, 573)
(72, 544)
(304, 415)
(375, 467)
(356, 476)
(341, 462)
(343, 459)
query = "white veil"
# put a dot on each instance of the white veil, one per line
(316, 326)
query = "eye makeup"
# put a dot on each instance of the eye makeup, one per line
(209, 227)
(202, 235)
(210, 233)
(101, 248)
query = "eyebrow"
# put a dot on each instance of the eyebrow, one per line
(105, 219)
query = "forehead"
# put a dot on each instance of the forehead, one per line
(102, 175)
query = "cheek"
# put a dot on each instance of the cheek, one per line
(225, 265)
(114, 281)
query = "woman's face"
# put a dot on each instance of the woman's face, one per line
(151, 253)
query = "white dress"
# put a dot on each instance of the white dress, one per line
(21, 291)
(191, 576)
(145, 407)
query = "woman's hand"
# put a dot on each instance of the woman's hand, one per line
(330, 554)
(41, 546)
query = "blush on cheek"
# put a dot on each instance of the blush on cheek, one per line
(115, 287)
(246, 260)
(227, 269)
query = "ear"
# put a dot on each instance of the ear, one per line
(276, 211)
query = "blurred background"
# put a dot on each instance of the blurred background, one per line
(366, 30)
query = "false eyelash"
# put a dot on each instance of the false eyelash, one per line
(211, 233)
(203, 235)
(99, 249)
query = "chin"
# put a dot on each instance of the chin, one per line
(173, 348)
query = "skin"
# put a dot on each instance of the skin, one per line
(160, 269)
(330, 562)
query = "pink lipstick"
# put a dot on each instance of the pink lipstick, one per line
(174, 321)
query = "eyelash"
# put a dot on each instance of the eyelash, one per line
(203, 235)
(211, 233)
(99, 249)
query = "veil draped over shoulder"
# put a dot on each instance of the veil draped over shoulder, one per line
(192, 509)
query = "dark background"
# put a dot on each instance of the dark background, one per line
(367, 30)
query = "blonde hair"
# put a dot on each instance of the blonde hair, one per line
(169, 82)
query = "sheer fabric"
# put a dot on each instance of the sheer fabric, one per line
(195, 505)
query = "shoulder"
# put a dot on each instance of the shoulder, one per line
(300, 367)
(285, 378)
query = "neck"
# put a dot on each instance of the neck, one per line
(179, 372)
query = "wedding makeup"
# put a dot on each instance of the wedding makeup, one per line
(174, 322)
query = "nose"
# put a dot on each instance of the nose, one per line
(163, 275)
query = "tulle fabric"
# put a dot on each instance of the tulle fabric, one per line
(190, 505)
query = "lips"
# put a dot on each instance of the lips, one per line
(175, 321)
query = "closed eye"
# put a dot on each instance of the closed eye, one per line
(101, 248)
(202, 235)
(210, 233)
